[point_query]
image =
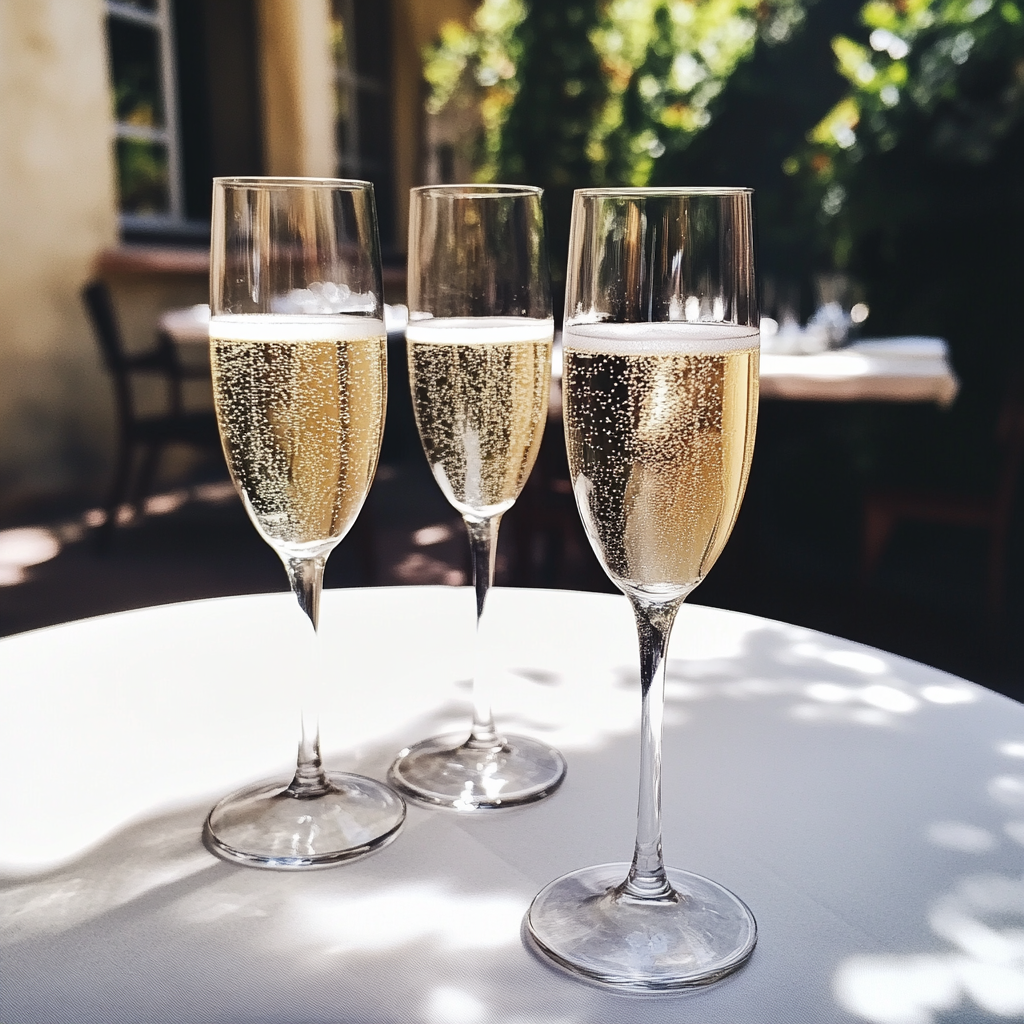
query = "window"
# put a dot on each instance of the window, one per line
(361, 37)
(186, 107)
(145, 113)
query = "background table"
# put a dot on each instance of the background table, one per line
(906, 369)
(869, 810)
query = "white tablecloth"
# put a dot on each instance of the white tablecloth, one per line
(190, 325)
(879, 370)
(869, 810)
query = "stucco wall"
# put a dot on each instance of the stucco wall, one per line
(56, 214)
(298, 90)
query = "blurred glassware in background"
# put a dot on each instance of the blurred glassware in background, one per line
(831, 322)
(834, 323)
(828, 327)
(780, 317)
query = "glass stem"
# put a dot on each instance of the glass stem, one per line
(483, 539)
(647, 879)
(306, 576)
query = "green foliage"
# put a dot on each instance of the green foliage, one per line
(669, 63)
(896, 154)
(572, 93)
(611, 86)
(476, 67)
(936, 82)
(914, 181)
(561, 92)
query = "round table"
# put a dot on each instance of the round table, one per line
(868, 809)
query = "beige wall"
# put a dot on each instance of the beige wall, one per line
(298, 90)
(298, 87)
(56, 214)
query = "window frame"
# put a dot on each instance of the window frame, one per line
(175, 221)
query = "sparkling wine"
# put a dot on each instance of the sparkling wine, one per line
(300, 402)
(659, 425)
(480, 391)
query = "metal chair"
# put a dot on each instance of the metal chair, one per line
(151, 432)
(884, 510)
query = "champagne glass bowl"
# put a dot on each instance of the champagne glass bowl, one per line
(479, 349)
(660, 388)
(298, 356)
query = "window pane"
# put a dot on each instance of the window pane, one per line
(135, 70)
(143, 177)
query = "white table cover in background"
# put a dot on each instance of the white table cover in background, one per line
(870, 811)
(905, 369)
(190, 325)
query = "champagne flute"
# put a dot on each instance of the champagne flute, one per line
(660, 382)
(298, 353)
(479, 348)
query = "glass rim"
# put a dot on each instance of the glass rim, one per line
(472, 190)
(668, 191)
(291, 181)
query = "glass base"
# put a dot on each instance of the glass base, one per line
(446, 772)
(266, 826)
(583, 923)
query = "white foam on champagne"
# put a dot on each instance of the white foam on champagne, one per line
(289, 329)
(666, 338)
(482, 330)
